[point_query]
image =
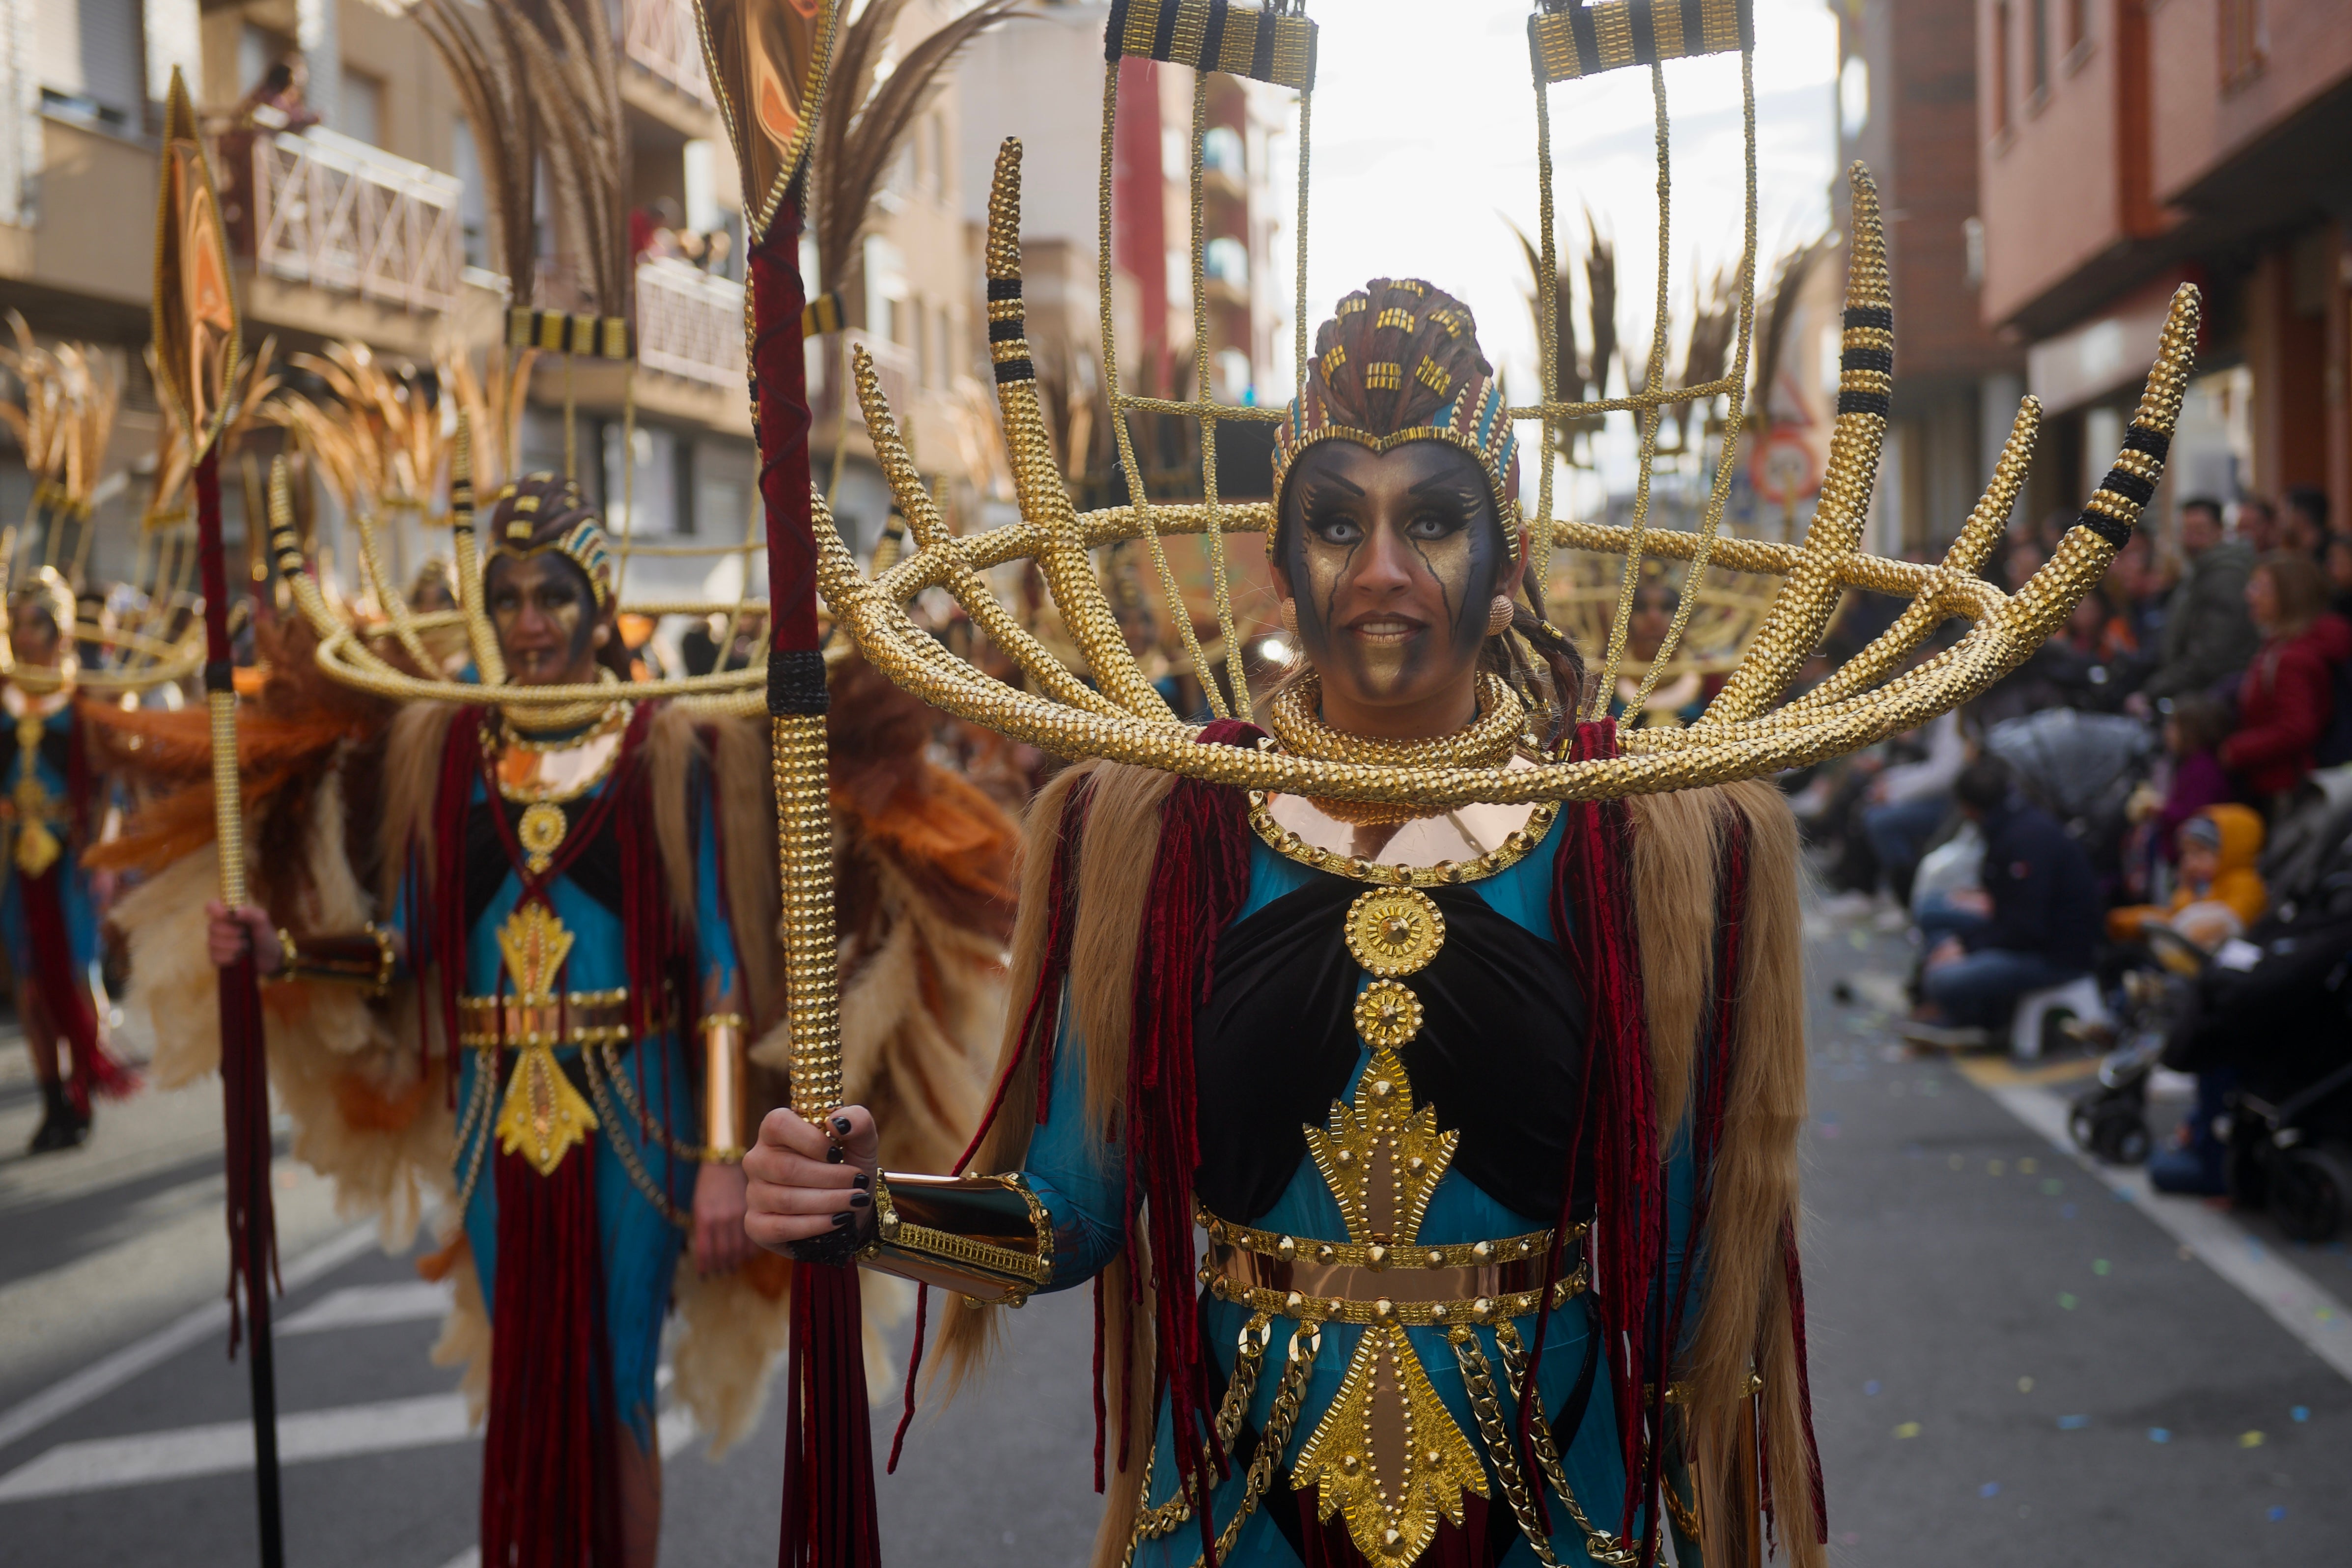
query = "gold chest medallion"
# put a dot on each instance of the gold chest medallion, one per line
(1387, 1454)
(542, 1115)
(36, 843)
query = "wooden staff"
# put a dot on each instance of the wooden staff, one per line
(196, 348)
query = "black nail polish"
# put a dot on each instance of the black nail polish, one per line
(840, 1220)
(841, 1125)
(861, 1180)
(858, 1200)
(832, 1154)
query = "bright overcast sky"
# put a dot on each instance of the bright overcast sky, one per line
(1424, 146)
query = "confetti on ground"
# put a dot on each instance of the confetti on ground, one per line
(2025, 1385)
(2301, 1413)
(1994, 1167)
(2072, 1423)
(1856, 941)
(2249, 1439)
(2100, 1265)
(1871, 1387)
(2277, 1512)
(2051, 1186)
(2066, 1211)
(1908, 1429)
(2158, 1435)
(2026, 1167)
(1958, 1162)
(2067, 1301)
(1990, 1489)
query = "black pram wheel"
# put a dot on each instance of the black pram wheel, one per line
(2311, 1187)
(2130, 1139)
(2108, 1126)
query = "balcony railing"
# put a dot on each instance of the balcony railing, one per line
(340, 215)
(690, 323)
(659, 35)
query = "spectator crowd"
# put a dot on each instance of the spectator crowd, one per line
(2117, 802)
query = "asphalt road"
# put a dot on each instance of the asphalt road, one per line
(2010, 1358)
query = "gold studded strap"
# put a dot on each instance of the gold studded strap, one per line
(1403, 1286)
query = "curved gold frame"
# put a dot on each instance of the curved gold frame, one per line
(1748, 731)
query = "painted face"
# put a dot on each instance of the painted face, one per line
(1394, 558)
(32, 634)
(1653, 613)
(545, 616)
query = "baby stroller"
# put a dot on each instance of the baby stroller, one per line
(2275, 1011)
(2082, 769)
(2109, 1122)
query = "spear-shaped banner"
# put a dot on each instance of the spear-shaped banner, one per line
(767, 60)
(196, 351)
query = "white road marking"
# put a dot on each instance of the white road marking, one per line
(104, 1463)
(2301, 1305)
(365, 1306)
(103, 1376)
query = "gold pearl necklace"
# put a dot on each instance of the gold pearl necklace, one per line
(1294, 717)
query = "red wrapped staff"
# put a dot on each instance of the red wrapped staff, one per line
(196, 351)
(767, 60)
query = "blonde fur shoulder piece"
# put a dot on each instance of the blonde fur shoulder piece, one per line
(366, 1109)
(1745, 1321)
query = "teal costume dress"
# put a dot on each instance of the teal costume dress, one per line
(1496, 1059)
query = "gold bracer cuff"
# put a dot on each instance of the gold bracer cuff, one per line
(987, 1238)
(726, 1095)
(364, 957)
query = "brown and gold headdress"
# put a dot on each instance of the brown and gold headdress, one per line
(1399, 361)
(545, 512)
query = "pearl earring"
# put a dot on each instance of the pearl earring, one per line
(1498, 618)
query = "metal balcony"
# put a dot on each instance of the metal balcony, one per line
(690, 323)
(659, 35)
(340, 215)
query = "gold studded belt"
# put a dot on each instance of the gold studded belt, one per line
(1418, 1286)
(577, 1018)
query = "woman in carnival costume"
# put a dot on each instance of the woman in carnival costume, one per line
(1464, 1092)
(575, 913)
(48, 912)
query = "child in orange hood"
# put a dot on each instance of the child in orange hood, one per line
(2219, 893)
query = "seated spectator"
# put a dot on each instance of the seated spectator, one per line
(2304, 530)
(2219, 894)
(2195, 778)
(1908, 801)
(2208, 636)
(2033, 924)
(2288, 694)
(2258, 525)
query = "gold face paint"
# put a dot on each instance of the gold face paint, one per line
(1394, 559)
(544, 613)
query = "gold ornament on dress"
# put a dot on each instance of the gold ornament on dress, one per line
(1395, 931)
(542, 1116)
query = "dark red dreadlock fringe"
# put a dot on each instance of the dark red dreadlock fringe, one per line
(1198, 880)
(549, 1470)
(66, 993)
(1795, 1274)
(437, 911)
(1593, 911)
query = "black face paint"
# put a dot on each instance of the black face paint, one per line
(1394, 560)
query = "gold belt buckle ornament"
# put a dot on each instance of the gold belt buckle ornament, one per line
(542, 1115)
(1395, 931)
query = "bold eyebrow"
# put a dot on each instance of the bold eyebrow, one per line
(1345, 483)
(1443, 480)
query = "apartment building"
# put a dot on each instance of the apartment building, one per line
(1906, 107)
(2128, 147)
(370, 226)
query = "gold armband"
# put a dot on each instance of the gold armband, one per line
(365, 957)
(987, 1238)
(726, 1096)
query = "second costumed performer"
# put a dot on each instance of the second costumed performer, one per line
(1518, 1121)
(578, 921)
